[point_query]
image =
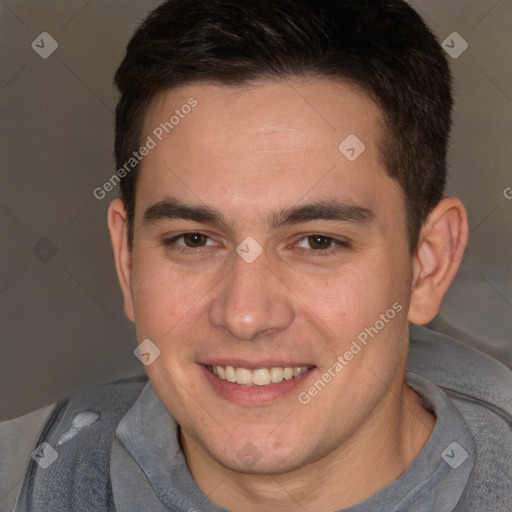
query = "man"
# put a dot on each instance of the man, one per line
(282, 225)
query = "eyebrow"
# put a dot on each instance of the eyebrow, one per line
(332, 209)
(174, 209)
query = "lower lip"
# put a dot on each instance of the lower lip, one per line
(255, 395)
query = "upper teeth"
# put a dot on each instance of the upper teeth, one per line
(259, 377)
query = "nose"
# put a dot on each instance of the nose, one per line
(251, 301)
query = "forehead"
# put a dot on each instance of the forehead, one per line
(268, 112)
(266, 144)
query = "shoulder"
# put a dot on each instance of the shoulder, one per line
(17, 440)
(461, 369)
(70, 469)
(481, 389)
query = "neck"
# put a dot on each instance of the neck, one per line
(373, 457)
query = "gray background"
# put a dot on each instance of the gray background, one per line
(61, 312)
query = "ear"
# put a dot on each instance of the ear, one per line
(442, 243)
(118, 228)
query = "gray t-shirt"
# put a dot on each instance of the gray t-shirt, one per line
(128, 456)
(150, 473)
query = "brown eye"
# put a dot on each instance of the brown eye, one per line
(195, 239)
(319, 242)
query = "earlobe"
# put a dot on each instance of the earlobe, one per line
(117, 225)
(443, 240)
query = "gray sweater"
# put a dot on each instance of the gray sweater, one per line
(116, 447)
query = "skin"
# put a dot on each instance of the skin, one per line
(250, 152)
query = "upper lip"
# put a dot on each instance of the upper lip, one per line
(254, 365)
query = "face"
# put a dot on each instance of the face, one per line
(263, 249)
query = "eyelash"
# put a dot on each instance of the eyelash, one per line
(338, 245)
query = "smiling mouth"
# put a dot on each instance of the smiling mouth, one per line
(258, 377)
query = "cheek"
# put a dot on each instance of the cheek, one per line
(163, 297)
(346, 307)
(347, 298)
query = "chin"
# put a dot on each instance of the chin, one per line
(259, 456)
